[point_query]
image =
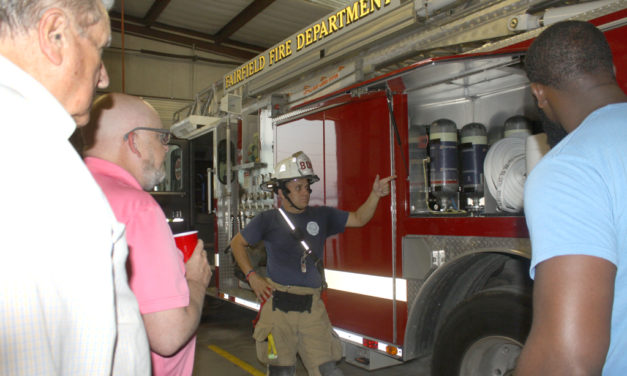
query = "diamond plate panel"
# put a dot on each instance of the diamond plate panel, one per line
(417, 249)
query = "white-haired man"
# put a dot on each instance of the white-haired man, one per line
(65, 306)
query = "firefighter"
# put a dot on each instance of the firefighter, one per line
(293, 319)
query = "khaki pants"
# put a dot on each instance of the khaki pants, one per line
(308, 334)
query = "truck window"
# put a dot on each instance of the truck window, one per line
(174, 166)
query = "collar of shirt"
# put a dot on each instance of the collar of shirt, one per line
(104, 167)
(43, 103)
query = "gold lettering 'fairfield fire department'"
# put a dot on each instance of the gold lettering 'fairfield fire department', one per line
(326, 27)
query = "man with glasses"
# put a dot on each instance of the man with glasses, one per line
(125, 147)
(65, 304)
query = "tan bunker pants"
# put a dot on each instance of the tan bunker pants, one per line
(308, 334)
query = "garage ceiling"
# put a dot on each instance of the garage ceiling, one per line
(236, 29)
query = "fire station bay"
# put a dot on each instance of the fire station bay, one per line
(282, 108)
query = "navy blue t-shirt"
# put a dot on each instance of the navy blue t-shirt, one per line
(284, 251)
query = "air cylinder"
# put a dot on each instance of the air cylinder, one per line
(443, 171)
(474, 147)
(517, 126)
(418, 189)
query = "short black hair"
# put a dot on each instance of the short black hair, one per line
(567, 50)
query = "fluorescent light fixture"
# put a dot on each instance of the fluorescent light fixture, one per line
(194, 126)
(231, 104)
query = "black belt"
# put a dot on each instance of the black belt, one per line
(286, 302)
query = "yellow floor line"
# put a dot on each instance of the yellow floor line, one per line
(238, 362)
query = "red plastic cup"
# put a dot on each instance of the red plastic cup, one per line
(186, 242)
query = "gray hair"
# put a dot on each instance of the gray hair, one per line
(20, 16)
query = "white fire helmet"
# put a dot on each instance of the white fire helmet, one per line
(297, 166)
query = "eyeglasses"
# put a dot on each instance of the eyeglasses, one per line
(164, 136)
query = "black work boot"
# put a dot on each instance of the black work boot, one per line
(281, 370)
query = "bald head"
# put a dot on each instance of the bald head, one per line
(113, 116)
(120, 131)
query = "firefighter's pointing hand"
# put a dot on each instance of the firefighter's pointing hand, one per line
(380, 187)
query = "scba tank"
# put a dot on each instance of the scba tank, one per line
(517, 126)
(474, 147)
(443, 171)
(418, 189)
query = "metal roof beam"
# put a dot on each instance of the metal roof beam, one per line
(250, 12)
(188, 32)
(210, 37)
(158, 6)
(203, 45)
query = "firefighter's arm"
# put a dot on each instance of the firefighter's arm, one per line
(259, 285)
(169, 330)
(380, 188)
(572, 307)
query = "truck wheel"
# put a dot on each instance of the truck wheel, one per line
(483, 335)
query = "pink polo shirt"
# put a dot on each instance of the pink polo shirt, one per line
(155, 266)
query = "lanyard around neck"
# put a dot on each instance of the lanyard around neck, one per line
(306, 250)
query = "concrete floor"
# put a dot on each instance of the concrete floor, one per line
(225, 347)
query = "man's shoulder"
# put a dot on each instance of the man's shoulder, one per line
(21, 92)
(11, 94)
(122, 195)
(613, 109)
(324, 210)
(115, 185)
(320, 209)
(605, 123)
(15, 105)
(267, 216)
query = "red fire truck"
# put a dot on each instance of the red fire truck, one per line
(442, 268)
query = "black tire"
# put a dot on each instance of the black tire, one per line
(483, 335)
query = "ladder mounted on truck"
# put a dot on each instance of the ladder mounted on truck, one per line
(357, 43)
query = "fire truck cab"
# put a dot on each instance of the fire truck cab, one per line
(442, 268)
